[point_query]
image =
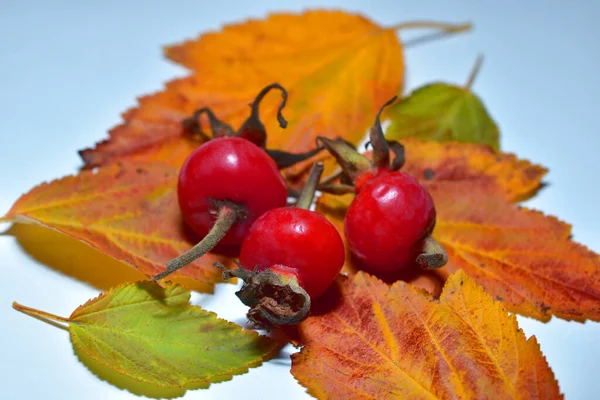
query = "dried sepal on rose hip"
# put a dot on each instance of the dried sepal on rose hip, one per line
(290, 256)
(252, 129)
(389, 223)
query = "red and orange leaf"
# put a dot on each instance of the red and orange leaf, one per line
(397, 342)
(128, 212)
(339, 69)
(518, 179)
(521, 257)
(151, 132)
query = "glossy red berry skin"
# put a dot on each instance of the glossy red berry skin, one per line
(295, 241)
(387, 220)
(233, 169)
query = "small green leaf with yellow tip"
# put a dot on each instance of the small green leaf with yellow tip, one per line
(443, 112)
(153, 337)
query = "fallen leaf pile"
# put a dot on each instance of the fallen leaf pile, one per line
(365, 338)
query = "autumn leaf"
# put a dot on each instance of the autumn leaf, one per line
(521, 257)
(457, 162)
(74, 258)
(129, 212)
(153, 335)
(397, 342)
(443, 112)
(152, 131)
(338, 68)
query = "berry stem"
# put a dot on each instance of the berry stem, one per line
(308, 193)
(474, 72)
(32, 312)
(442, 26)
(433, 255)
(229, 213)
(333, 177)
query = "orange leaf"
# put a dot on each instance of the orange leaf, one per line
(128, 212)
(151, 132)
(397, 342)
(518, 179)
(338, 68)
(521, 257)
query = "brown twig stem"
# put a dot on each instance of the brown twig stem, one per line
(227, 216)
(308, 193)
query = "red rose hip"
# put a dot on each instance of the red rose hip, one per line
(303, 241)
(290, 256)
(231, 170)
(224, 186)
(387, 220)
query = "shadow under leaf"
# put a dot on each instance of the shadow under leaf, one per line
(72, 257)
(81, 261)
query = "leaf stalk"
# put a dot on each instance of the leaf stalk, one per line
(442, 26)
(32, 312)
(474, 72)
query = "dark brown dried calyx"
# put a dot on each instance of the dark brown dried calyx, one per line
(273, 298)
(252, 129)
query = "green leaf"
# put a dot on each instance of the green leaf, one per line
(152, 335)
(443, 112)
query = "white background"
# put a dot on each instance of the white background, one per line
(68, 69)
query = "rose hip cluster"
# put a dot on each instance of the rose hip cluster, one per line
(232, 194)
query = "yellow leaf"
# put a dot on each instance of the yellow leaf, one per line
(129, 212)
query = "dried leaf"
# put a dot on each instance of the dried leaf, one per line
(396, 342)
(338, 68)
(62, 253)
(443, 113)
(129, 212)
(154, 336)
(521, 257)
(430, 161)
(152, 131)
